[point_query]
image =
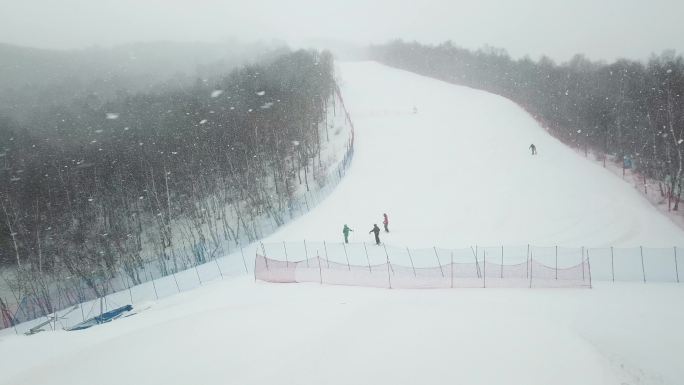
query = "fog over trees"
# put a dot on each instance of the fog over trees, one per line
(631, 110)
(91, 184)
(33, 80)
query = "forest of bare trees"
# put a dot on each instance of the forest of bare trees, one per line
(629, 110)
(167, 176)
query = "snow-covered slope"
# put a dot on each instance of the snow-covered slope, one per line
(459, 173)
(456, 173)
(241, 332)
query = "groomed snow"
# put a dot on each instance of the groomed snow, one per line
(455, 174)
(239, 332)
(459, 173)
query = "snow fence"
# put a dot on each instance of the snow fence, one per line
(423, 268)
(23, 306)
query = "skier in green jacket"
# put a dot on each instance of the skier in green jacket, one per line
(346, 231)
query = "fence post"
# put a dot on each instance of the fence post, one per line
(389, 276)
(583, 277)
(346, 256)
(175, 280)
(452, 269)
(129, 288)
(556, 263)
(287, 262)
(643, 270)
(502, 253)
(527, 262)
(306, 253)
(589, 267)
(484, 269)
(198, 276)
(254, 268)
(320, 272)
(325, 247)
(243, 259)
(256, 254)
(477, 263)
(368, 259)
(612, 264)
(154, 287)
(82, 298)
(218, 267)
(387, 255)
(438, 262)
(676, 265)
(411, 259)
(531, 264)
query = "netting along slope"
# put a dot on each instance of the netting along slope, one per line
(530, 273)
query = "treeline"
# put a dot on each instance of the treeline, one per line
(628, 109)
(88, 191)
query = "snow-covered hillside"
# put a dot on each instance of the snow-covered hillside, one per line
(459, 173)
(456, 173)
(239, 332)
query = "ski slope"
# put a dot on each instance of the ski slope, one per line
(456, 173)
(459, 173)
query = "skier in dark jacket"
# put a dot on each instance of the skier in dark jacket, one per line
(385, 222)
(533, 148)
(346, 231)
(376, 230)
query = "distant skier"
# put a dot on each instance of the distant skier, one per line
(385, 222)
(376, 231)
(533, 148)
(346, 231)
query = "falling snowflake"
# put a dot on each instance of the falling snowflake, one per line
(261, 93)
(216, 93)
(203, 121)
(112, 115)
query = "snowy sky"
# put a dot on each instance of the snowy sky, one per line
(602, 29)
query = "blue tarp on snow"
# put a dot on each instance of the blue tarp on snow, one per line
(103, 318)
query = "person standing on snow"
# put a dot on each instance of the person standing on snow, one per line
(533, 148)
(376, 231)
(385, 222)
(346, 231)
